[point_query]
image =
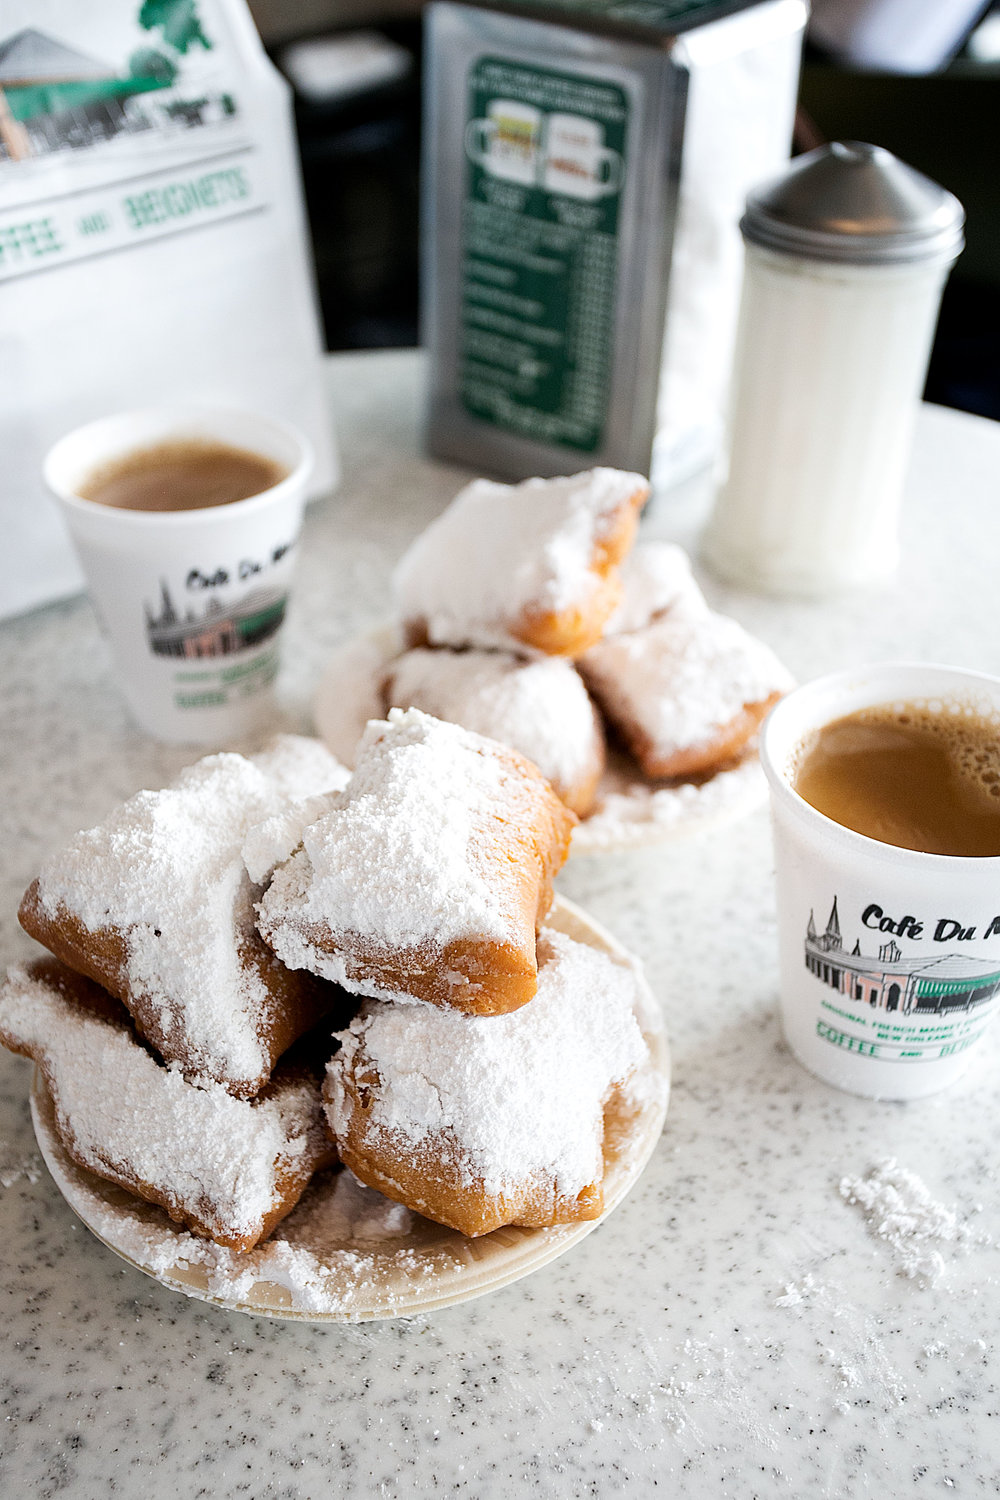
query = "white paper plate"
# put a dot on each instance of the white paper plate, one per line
(631, 811)
(345, 1254)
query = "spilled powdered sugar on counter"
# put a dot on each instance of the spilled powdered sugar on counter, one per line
(850, 1343)
(824, 1291)
(22, 1169)
(900, 1210)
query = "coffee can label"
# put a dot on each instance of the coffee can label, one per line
(546, 158)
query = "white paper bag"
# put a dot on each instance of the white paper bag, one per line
(152, 244)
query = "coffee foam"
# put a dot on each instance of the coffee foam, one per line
(970, 736)
(970, 733)
(971, 727)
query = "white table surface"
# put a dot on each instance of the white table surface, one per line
(736, 1328)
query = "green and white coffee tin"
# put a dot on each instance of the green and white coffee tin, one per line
(586, 166)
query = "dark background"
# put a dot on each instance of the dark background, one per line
(361, 157)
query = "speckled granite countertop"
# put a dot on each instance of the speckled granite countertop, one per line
(737, 1327)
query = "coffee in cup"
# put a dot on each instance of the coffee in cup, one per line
(917, 775)
(182, 474)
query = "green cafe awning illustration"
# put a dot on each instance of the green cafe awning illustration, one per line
(41, 76)
(44, 79)
(217, 630)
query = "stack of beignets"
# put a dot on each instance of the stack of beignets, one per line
(177, 1052)
(628, 641)
(472, 1087)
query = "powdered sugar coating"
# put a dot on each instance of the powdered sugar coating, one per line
(401, 859)
(300, 766)
(682, 679)
(164, 870)
(515, 1098)
(656, 578)
(540, 708)
(391, 859)
(345, 1252)
(128, 1116)
(500, 552)
(270, 843)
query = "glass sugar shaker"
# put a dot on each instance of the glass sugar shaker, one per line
(846, 257)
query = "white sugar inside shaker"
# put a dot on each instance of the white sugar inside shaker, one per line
(846, 256)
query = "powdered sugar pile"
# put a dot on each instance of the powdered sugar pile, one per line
(900, 1210)
(682, 679)
(300, 766)
(270, 843)
(25, 1169)
(540, 708)
(164, 871)
(500, 551)
(395, 860)
(218, 1156)
(517, 1097)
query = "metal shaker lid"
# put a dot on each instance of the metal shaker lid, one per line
(858, 204)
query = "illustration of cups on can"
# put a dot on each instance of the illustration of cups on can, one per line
(507, 143)
(577, 162)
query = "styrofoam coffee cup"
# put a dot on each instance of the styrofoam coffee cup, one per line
(192, 601)
(889, 957)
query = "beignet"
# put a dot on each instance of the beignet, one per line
(540, 708)
(478, 1121)
(228, 1169)
(530, 565)
(155, 905)
(656, 580)
(687, 693)
(429, 874)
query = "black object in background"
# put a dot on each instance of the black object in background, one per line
(360, 171)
